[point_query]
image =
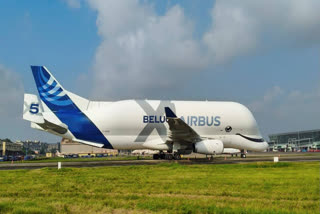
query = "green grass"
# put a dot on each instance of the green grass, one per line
(164, 188)
(58, 159)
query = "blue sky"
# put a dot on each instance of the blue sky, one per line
(264, 55)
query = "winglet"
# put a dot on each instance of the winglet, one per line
(169, 113)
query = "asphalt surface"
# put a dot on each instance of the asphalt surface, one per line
(191, 159)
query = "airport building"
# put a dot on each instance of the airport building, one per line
(295, 141)
(71, 147)
(54, 147)
(10, 148)
(37, 147)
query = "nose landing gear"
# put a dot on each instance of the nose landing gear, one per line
(243, 153)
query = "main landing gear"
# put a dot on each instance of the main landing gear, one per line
(177, 156)
(167, 156)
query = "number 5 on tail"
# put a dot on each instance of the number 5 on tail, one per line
(32, 109)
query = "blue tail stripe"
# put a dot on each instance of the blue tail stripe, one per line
(41, 82)
(54, 90)
(55, 99)
(43, 77)
(49, 88)
(64, 108)
(60, 103)
(53, 95)
(46, 86)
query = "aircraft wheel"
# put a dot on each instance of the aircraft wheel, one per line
(169, 156)
(162, 156)
(177, 156)
(243, 156)
(156, 156)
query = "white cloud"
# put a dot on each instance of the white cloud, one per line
(269, 97)
(142, 53)
(281, 111)
(240, 27)
(11, 93)
(233, 32)
(11, 107)
(73, 3)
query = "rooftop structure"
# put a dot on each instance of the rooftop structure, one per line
(294, 141)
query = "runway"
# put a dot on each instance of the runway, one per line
(188, 160)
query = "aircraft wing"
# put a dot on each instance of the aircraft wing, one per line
(179, 130)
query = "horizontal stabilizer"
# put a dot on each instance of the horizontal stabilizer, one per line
(99, 145)
(32, 110)
(60, 129)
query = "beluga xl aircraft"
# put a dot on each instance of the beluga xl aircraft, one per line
(172, 127)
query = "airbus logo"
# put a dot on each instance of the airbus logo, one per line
(190, 120)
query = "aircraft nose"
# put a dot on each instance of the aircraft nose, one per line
(265, 145)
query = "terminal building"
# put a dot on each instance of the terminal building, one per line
(295, 141)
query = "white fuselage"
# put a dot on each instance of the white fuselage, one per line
(140, 124)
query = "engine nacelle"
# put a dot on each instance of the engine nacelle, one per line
(209, 147)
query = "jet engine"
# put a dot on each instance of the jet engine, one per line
(209, 147)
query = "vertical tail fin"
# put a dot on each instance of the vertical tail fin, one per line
(51, 92)
(67, 107)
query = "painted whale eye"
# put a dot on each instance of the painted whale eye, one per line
(228, 129)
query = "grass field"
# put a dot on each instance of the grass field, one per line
(164, 188)
(125, 157)
(60, 159)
